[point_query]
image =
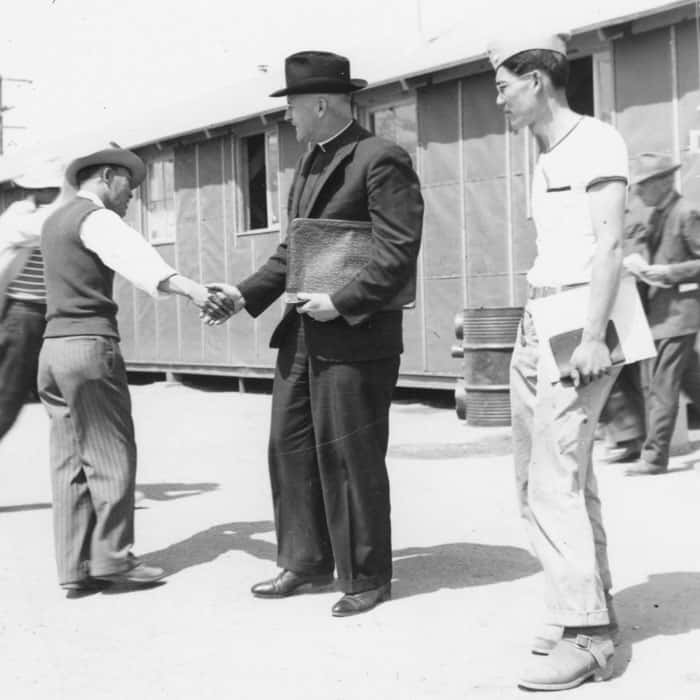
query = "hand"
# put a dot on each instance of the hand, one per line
(212, 309)
(224, 301)
(656, 275)
(590, 360)
(318, 306)
(635, 264)
(229, 295)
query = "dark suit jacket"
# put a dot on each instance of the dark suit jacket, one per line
(367, 179)
(675, 310)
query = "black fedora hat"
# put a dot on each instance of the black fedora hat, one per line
(317, 71)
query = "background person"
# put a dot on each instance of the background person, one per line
(669, 278)
(22, 290)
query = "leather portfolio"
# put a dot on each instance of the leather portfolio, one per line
(323, 255)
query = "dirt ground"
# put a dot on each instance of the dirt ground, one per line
(467, 592)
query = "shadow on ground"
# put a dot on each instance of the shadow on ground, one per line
(24, 507)
(417, 570)
(666, 604)
(210, 544)
(170, 491)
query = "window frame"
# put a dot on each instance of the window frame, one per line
(241, 179)
(408, 99)
(144, 196)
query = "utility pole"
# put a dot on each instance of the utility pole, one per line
(6, 108)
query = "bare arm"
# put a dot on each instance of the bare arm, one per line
(607, 204)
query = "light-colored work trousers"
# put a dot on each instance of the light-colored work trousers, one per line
(553, 427)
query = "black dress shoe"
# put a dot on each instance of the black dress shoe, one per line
(287, 582)
(629, 451)
(85, 587)
(355, 603)
(643, 468)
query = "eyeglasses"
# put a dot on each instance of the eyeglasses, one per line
(502, 87)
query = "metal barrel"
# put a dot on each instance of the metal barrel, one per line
(489, 335)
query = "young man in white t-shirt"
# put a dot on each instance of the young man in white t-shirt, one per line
(578, 202)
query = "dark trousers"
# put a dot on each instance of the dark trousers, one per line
(623, 414)
(671, 370)
(83, 385)
(21, 333)
(328, 440)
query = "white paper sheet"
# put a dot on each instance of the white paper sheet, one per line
(568, 310)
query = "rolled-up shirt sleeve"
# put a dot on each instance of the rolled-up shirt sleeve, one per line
(124, 250)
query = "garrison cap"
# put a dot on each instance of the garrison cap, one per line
(41, 176)
(501, 50)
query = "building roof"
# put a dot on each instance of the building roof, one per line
(464, 42)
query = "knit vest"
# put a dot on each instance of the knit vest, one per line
(78, 283)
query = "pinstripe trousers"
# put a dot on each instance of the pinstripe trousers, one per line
(83, 385)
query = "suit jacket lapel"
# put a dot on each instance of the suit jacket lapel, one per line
(347, 142)
(297, 187)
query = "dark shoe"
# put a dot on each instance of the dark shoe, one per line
(575, 659)
(85, 587)
(139, 575)
(643, 468)
(355, 603)
(625, 452)
(287, 583)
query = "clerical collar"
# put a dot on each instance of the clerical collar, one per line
(322, 144)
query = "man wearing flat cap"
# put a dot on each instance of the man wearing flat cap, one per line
(82, 378)
(669, 276)
(339, 351)
(22, 288)
(578, 203)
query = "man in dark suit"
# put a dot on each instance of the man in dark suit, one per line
(339, 351)
(672, 301)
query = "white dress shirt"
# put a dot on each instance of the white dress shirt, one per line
(122, 248)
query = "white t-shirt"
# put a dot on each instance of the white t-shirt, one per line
(592, 152)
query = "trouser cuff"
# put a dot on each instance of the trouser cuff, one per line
(305, 568)
(359, 585)
(572, 618)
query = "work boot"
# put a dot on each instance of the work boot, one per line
(549, 635)
(575, 658)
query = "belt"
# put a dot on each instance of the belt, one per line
(539, 292)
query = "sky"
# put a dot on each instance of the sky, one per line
(97, 62)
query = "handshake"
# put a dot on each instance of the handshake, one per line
(218, 302)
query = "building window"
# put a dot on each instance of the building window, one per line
(159, 199)
(398, 123)
(260, 154)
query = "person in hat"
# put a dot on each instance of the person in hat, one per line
(22, 289)
(578, 203)
(669, 275)
(339, 352)
(82, 378)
